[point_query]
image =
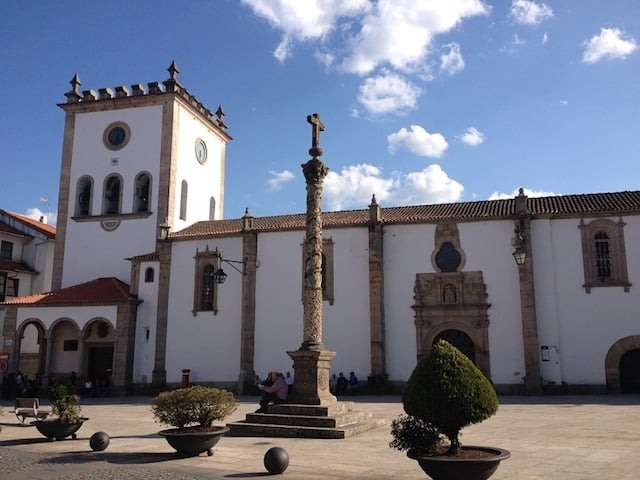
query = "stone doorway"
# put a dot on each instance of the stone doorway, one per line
(460, 340)
(630, 372)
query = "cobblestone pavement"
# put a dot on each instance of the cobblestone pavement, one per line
(550, 438)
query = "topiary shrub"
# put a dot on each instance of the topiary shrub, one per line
(448, 391)
(192, 406)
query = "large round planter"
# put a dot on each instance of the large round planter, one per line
(445, 467)
(193, 443)
(56, 430)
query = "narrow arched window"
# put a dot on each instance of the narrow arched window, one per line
(142, 188)
(148, 275)
(212, 208)
(207, 288)
(603, 256)
(183, 200)
(83, 197)
(112, 192)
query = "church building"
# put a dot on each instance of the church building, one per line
(149, 281)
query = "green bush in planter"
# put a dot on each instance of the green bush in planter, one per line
(67, 408)
(195, 405)
(415, 436)
(447, 390)
(61, 388)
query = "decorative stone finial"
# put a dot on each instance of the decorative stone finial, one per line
(75, 83)
(220, 115)
(373, 200)
(173, 70)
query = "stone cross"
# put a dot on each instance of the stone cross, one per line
(316, 127)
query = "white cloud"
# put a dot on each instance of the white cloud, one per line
(452, 62)
(527, 12)
(472, 137)
(388, 93)
(564, 102)
(278, 178)
(50, 218)
(418, 141)
(527, 191)
(387, 32)
(354, 186)
(610, 44)
(545, 39)
(304, 20)
(398, 33)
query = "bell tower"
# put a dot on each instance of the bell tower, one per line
(134, 159)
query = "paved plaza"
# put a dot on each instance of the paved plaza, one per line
(550, 438)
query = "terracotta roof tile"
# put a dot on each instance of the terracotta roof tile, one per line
(145, 257)
(9, 266)
(8, 229)
(43, 228)
(617, 203)
(101, 291)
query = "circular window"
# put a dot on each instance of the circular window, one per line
(116, 135)
(201, 150)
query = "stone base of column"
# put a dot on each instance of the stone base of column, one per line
(311, 374)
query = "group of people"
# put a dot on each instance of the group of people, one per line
(88, 387)
(342, 385)
(277, 387)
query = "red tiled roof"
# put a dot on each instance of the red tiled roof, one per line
(8, 229)
(145, 257)
(101, 291)
(10, 266)
(617, 203)
(43, 228)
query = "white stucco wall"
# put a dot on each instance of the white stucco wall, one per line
(204, 180)
(207, 344)
(80, 315)
(587, 324)
(144, 353)
(89, 248)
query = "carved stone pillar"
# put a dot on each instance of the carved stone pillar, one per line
(311, 363)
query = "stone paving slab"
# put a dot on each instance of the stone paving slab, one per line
(550, 438)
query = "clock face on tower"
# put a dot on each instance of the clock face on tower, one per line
(201, 150)
(116, 135)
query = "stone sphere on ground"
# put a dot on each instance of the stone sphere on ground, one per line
(99, 441)
(276, 460)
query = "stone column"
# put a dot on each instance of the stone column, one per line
(311, 362)
(533, 385)
(247, 334)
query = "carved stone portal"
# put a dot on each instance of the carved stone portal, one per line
(452, 302)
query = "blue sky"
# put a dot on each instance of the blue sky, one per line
(424, 101)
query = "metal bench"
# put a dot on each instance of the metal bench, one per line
(27, 407)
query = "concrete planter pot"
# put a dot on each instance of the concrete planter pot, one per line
(443, 467)
(191, 443)
(57, 430)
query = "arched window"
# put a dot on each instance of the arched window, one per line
(112, 194)
(183, 200)
(212, 208)
(142, 191)
(205, 298)
(148, 275)
(603, 256)
(83, 196)
(207, 288)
